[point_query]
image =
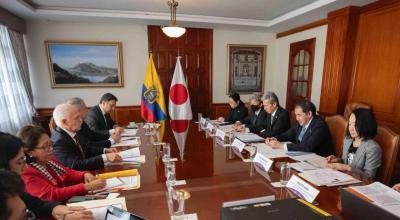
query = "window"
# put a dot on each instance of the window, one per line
(15, 108)
(301, 62)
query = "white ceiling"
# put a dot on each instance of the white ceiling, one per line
(266, 15)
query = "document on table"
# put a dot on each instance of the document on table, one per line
(311, 159)
(130, 182)
(134, 152)
(127, 142)
(226, 128)
(303, 166)
(269, 152)
(99, 206)
(328, 177)
(129, 132)
(381, 195)
(139, 159)
(249, 137)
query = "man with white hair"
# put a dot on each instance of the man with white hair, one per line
(256, 120)
(94, 138)
(68, 147)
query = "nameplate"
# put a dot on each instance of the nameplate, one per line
(302, 189)
(262, 162)
(210, 126)
(238, 144)
(220, 134)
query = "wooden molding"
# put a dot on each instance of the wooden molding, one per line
(12, 21)
(302, 28)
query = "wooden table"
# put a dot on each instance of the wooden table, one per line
(212, 178)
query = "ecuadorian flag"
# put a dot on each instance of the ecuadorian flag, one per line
(152, 106)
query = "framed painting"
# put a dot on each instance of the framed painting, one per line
(84, 64)
(246, 68)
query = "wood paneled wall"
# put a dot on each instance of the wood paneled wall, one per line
(362, 62)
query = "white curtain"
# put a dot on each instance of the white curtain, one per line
(15, 108)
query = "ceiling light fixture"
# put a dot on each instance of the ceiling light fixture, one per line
(172, 30)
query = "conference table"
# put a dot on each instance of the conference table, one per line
(213, 175)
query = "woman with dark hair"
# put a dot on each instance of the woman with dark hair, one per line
(238, 110)
(45, 177)
(13, 158)
(361, 154)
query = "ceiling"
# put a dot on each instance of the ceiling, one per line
(265, 15)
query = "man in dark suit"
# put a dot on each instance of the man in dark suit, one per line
(92, 138)
(99, 119)
(310, 133)
(256, 120)
(69, 149)
(278, 120)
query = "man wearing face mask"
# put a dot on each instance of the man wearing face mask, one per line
(256, 120)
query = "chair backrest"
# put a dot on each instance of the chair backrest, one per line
(337, 126)
(292, 118)
(52, 125)
(350, 107)
(389, 143)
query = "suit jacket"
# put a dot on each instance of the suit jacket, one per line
(94, 138)
(60, 188)
(280, 124)
(41, 208)
(237, 114)
(96, 122)
(254, 122)
(67, 152)
(316, 139)
(368, 157)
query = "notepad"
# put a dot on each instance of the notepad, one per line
(328, 177)
(249, 138)
(134, 152)
(129, 132)
(127, 143)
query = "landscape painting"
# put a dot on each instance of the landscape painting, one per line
(84, 64)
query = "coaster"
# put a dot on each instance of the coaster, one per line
(247, 160)
(173, 159)
(180, 182)
(192, 216)
(277, 185)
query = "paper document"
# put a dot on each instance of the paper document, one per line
(99, 207)
(140, 159)
(269, 152)
(327, 177)
(130, 182)
(134, 152)
(311, 159)
(381, 195)
(226, 128)
(127, 143)
(129, 132)
(303, 166)
(249, 137)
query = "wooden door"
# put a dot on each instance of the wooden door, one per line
(195, 48)
(301, 65)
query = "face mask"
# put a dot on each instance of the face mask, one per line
(254, 108)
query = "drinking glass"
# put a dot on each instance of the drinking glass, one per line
(285, 173)
(166, 152)
(199, 116)
(179, 205)
(171, 176)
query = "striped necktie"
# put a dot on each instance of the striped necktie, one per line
(79, 146)
(302, 132)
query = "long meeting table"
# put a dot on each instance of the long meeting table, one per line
(213, 176)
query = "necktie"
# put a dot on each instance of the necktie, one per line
(272, 119)
(302, 132)
(79, 146)
(105, 120)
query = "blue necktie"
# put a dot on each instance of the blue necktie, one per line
(302, 132)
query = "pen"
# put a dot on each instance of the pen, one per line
(134, 138)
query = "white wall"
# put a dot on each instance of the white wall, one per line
(134, 50)
(134, 44)
(280, 76)
(223, 37)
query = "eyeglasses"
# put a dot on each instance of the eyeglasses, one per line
(29, 215)
(22, 161)
(48, 147)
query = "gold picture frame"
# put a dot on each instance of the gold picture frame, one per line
(246, 68)
(84, 64)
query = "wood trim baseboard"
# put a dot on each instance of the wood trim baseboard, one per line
(302, 28)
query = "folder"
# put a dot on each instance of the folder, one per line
(123, 173)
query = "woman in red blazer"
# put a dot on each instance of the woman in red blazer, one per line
(45, 177)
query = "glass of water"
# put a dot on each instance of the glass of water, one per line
(179, 205)
(166, 152)
(285, 173)
(171, 175)
(253, 151)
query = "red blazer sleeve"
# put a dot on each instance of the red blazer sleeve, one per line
(39, 186)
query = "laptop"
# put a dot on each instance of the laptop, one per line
(114, 213)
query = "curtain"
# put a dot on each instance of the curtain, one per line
(18, 45)
(15, 107)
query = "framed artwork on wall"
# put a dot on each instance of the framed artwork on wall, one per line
(84, 64)
(246, 68)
